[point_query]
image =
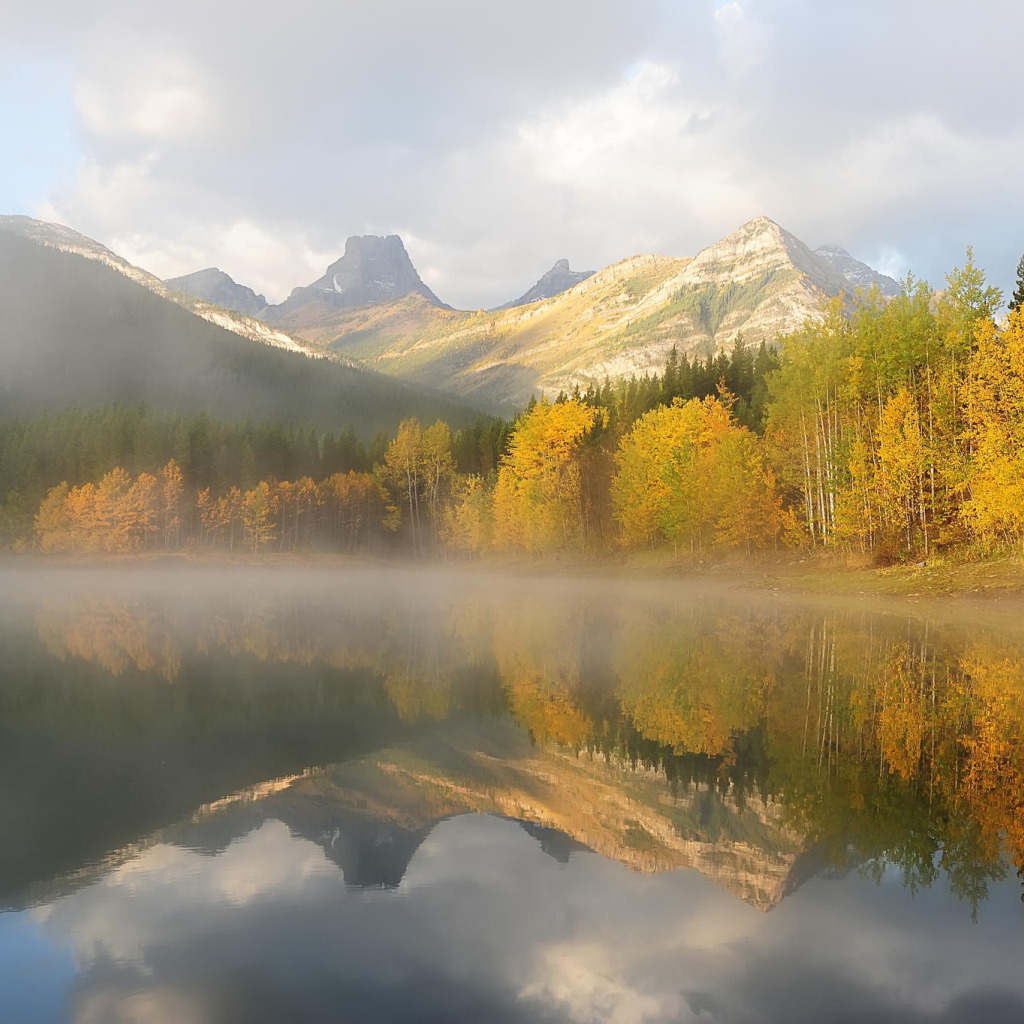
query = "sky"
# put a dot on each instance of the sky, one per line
(496, 137)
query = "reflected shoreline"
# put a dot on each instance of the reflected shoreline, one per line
(760, 731)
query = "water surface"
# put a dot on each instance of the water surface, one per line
(395, 796)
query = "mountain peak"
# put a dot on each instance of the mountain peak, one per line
(373, 269)
(557, 280)
(758, 248)
(856, 273)
(213, 285)
(759, 223)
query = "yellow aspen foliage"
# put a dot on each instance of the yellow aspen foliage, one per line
(995, 411)
(640, 494)
(902, 468)
(259, 512)
(692, 474)
(172, 489)
(53, 526)
(539, 501)
(355, 503)
(468, 520)
(80, 506)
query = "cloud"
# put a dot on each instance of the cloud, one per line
(487, 926)
(502, 136)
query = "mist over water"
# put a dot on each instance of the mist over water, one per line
(385, 794)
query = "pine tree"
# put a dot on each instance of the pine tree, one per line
(1017, 299)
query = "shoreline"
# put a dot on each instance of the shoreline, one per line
(808, 575)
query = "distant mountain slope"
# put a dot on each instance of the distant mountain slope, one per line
(557, 280)
(75, 331)
(757, 282)
(215, 286)
(57, 236)
(859, 275)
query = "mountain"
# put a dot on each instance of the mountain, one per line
(557, 280)
(371, 814)
(757, 282)
(76, 330)
(64, 239)
(859, 275)
(374, 269)
(215, 286)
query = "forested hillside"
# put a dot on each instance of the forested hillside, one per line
(75, 332)
(893, 428)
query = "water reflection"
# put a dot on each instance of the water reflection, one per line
(185, 759)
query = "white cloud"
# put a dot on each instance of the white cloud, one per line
(484, 911)
(503, 139)
(744, 41)
(117, 920)
(580, 979)
(125, 91)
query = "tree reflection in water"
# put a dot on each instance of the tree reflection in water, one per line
(759, 740)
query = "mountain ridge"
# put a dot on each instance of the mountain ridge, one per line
(756, 283)
(65, 239)
(371, 307)
(555, 281)
(213, 285)
(79, 332)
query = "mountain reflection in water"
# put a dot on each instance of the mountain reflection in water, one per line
(195, 760)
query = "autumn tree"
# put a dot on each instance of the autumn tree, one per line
(995, 411)
(356, 508)
(691, 474)
(468, 523)
(259, 509)
(172, 489)
(53, 526)
(539, 502)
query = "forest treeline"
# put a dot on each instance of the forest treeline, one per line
(892, 427)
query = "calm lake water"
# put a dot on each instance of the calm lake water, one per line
(261, 796)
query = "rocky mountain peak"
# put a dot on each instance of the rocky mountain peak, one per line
(856, 273)
(373, 269)
(557, 280)
(761, 249)
(213, 285)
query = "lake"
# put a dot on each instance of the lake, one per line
(372, 795)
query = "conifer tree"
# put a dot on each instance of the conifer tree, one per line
(1017, 300)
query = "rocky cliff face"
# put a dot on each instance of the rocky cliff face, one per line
(858, 274)
(557, 280)
(374, 269)
(214, 286)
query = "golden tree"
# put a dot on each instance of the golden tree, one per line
(539, 500)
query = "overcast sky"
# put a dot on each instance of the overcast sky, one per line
(496, 137)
